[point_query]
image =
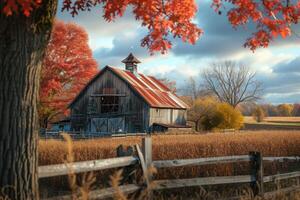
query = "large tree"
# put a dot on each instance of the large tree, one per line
(23, 40)
(24, 33)
(232, 83)
(67, 67)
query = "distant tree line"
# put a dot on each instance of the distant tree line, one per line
(284, 110)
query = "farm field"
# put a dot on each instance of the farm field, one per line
(273, 123)
(165, 147)
(271, 143)
(293, 120)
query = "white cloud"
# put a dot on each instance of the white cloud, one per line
(101, 32)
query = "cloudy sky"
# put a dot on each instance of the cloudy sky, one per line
(277, 67)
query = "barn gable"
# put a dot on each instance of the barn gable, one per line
(153, 91)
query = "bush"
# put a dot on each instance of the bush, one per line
(211, 120)
(223, 116)
(230, 117)
(258, 114)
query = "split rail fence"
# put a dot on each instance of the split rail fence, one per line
(75, 135)
(144, 160)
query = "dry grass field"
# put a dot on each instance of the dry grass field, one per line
(249, 119)
(283, 119)
(269, 143)
(273, 123)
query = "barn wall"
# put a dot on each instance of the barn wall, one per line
(168, 116)
(132, 107)
(179, 116)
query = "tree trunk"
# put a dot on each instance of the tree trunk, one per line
(197, 125)
(22, 44)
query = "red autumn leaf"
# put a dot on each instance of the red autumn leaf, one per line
(67, 67)
(285, 32)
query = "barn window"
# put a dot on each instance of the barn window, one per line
(109, 104)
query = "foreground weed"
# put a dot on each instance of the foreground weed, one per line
(115, 180)
(78, 191)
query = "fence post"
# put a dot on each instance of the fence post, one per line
(147, 153)
(129, 172)
(147, 150)
(257, 172)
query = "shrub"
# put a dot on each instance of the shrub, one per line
(258, 114)
(223, 116)
(211, 120)
(229, 117)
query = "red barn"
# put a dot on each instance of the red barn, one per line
(126, 101)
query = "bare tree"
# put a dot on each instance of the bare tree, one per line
(193, 89)
(232, 83)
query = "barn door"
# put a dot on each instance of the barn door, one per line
(99, 125)
(116, 125)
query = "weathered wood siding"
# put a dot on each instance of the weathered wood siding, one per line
(167, 116)
(132, 107)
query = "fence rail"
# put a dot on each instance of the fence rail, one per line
(85, 166)
(143, 159)
(278, 177)
(177, 183)
(81, 135)
(200, 161)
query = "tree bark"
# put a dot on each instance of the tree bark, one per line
(22, 44)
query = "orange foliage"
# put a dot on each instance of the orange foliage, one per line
(24, 6)
(174, 17)
(272, 18)
(67, 67)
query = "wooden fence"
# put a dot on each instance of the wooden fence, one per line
(76, 135)
(143, 159)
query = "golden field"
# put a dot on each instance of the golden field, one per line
(283, 119)
(269, 143)
(249, 119)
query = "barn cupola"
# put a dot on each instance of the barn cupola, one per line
(131, 63)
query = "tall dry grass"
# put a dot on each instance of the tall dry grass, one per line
(270, 143)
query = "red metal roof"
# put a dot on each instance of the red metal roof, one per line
(153, 91)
